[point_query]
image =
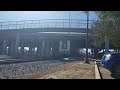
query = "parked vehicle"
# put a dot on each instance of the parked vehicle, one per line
(111, 61)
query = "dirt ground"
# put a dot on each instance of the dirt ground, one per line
(74, 70)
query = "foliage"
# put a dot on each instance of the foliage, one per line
(107, 25)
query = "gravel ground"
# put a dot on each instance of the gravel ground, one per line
(73, 70)
(19, 70)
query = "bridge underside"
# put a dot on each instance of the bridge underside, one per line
(38, 44)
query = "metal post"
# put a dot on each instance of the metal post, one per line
(86, 61)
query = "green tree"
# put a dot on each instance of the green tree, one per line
(107, 25)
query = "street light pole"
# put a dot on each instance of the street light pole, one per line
(86, 60)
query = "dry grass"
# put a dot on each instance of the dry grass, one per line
(73, 70)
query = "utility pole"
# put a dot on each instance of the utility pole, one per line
(86, 60)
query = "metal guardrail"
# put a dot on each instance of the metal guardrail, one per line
(45, 23)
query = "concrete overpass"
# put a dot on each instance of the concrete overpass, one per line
(42, 38)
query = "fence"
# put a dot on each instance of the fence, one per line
(45, 23)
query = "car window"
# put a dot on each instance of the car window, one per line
(106, 57)
(103, 57)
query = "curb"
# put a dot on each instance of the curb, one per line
(97, 74)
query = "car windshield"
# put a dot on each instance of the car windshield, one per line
(103, 57)
(106, 57)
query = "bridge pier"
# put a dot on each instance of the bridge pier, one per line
(17, 44)
(43, 48)
(4, 47)
(47, 49)
(55, 49)
(12, 53)
(68, 46)
(1, 47)
(50, 49)
(22, 50)
(39, 50)
(64, 47)
(30, 51)
(9, 49)
(60, 46)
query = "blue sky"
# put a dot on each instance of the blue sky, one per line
(37, 15)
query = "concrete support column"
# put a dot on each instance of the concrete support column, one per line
(30, 51)
(12, 48)
(68, 46)
(39, 50)
(4, 47)
(56, 49)
(53, 48)
(106, 44)
(50, 50)
(9, 50)
(33, 51)
(17, 44)
(22, 49)
(1, 47)
(47, 49)
(61, 49)
(43, 48)
(60, 46)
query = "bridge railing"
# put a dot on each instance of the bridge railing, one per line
(45, 23)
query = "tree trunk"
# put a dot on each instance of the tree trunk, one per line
(106, 44)
(95, 52)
